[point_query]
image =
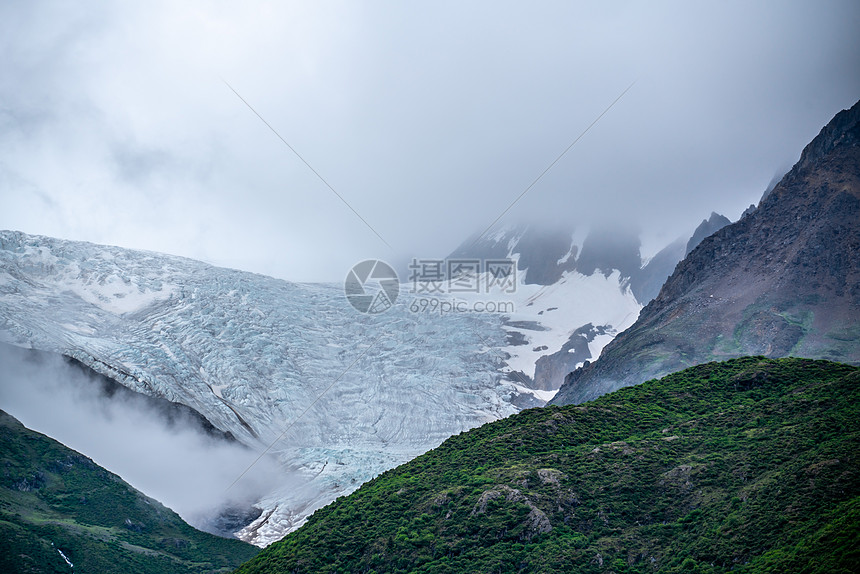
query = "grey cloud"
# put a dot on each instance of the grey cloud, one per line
(171, 460)
(428, 119)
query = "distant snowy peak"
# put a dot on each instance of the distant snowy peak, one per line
(537, 250)
(544, 254)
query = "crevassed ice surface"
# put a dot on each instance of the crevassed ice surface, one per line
(342, 395)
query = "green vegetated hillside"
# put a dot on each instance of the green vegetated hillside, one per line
(53, 498)
(749, 465)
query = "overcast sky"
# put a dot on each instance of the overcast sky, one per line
(428, 118)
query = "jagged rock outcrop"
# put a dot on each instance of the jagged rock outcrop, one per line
(545, 252)
(708, 227)
(550, 370)
(605, 249)
(646, 284)
(782, 281)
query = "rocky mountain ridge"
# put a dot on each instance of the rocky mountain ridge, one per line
(708, 227)
(784, 280)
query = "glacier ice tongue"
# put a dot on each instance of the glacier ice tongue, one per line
(337, 396)
(252, 353)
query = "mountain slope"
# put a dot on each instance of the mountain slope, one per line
(749, 465)
(646, 282)
(784, 280)
(58, 507)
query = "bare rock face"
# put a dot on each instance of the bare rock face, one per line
(536, 521)
(550, 370)
(646, 284)
(782, 281)
(545, 252)
(708, 227)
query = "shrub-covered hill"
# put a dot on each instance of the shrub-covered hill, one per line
(53, 500)
(751, 465)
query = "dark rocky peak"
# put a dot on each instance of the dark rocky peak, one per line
(774, 181)
(843, 130)
(496, 243)
(606, 249)
(546, 252)
(749, 210)
(647, 282)
(707, 227)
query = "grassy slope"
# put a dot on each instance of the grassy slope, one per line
(750, 464)
(52, 497)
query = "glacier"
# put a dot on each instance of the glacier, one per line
(292, 370)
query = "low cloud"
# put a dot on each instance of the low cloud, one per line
(171, 459)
